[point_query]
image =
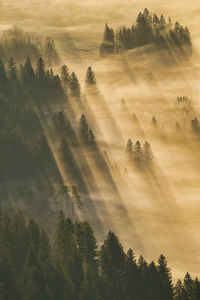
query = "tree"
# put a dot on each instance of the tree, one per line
(179, 290)
(28, 76)
(64, 148)
(195, 126)
(12, 72)
(129, 146)
(147, 152)
(77, 197)
(166, 279)
(51, 53)
(112, 265)
(137, 151)
(154, 121)
(189, 286)
(90, 77)
(65, 76)
(84, 128)
(74, 86)
(3, 76)
(40, 70)
(108, 43)
(65, 194)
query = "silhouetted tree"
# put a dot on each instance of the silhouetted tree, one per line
(108, 43)
(74, 86)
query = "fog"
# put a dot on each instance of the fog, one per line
(154, 210)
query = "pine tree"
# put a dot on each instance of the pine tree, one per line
(137, 151)
(76, 195)
(51, 53)
(12, 72)
(40, 70)
(74, 86)
(129, 146)
(90, 77)
(189, 286)
(147, 152)
(166, 279)
(84, 128)
(108, 43)
(3, 76)
(195, 126)
(131, 272)
(64, 148)
(179, 291)
(112, 264)
(154, 121)
(28, 77)
(65, 76)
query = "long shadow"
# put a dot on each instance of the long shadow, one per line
(80, 171)
(101, 164)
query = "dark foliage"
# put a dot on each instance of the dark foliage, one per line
(148, 29)
(73, 267)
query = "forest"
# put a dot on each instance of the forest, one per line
(99, 152)
(71, 265)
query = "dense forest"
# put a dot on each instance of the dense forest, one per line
(71, 265)
(89, 146)
(149, 29)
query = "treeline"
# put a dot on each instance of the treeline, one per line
(19, 44)
(72, 265)
(149, 28)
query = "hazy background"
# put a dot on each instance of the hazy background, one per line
(155, 212)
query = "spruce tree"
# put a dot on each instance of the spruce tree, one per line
(65, 76)
(74, 86)
(137, 151)
(129, 146)
(147, 152)
(84, 128)
(166, 279)
(108, 43)
(90, 77)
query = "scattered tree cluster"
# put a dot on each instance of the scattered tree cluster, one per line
(19, 44)
(72, 266)
(149, 28)
(138, 152)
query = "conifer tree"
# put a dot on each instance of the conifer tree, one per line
(129, 146)
(154, 121)
(12, 71)
(40, 70)
(65, 76)
(112, 261)
(74, 86)
(147, 152)
(64, 148)
(108, 43)
(84, 128)
(76, 195)
(90, 77)
(137, 151)
(166, 279)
